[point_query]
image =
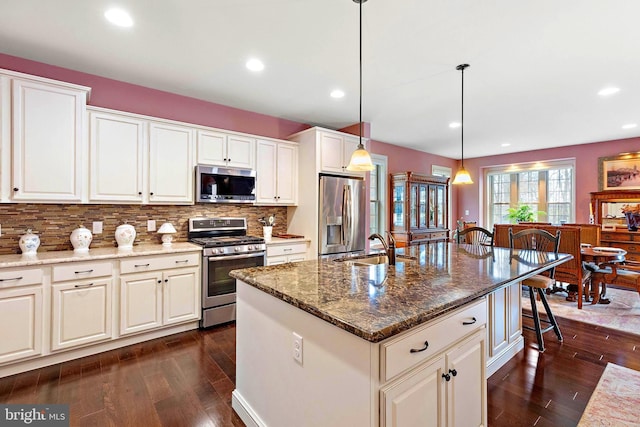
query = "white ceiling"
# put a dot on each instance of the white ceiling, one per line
(536, 65)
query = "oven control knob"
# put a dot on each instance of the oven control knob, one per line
(237, 249)
(250, 247)
(215, 250)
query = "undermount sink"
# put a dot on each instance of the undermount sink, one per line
(369, 260)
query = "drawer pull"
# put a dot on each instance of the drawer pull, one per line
(141, 265)
(470, 323)
(418, 350)
(287, 249)
(13, 278)
(84, 272)
(181, 261)
(453, 372)
(447, 377)
(83, 286)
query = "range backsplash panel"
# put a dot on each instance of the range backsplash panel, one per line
(53, 223)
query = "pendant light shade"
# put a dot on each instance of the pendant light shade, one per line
(360, 159)
(462, 176)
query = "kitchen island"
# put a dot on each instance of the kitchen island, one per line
(326, 342)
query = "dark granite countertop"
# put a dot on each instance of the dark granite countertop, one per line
(377, 302)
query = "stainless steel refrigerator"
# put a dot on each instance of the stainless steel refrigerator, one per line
(342, 215)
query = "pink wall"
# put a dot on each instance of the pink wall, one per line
(586, 158)
(401, 159)
(123, 96)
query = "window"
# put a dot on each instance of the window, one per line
(548, 188)
(377, 194)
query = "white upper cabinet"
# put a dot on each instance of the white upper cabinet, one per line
(171, 166)
(48, 125)
(335, 152)
(277, 172)
(117, 158)
(222, 149)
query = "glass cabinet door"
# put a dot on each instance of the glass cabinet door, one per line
(432, 207)
(398, 205)
(441, 206)
(413, 206)
(423, 206)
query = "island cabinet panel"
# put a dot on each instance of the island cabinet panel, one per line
(504, 331)
(340, 379)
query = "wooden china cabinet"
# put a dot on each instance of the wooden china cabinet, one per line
(607, 206)
(419, 208)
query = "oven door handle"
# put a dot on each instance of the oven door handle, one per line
(226, 257)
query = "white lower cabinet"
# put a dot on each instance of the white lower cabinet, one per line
(21, 317)
(81, 313)
(449, 387)
(165, 291)
(282, 253)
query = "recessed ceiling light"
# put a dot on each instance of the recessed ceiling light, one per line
(506, 144)
(629, 126)
(119, 17)
(454, 125)
(337, 93)
(255, 65)
(608, 91)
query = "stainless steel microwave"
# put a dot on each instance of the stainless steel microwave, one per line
(216, 184)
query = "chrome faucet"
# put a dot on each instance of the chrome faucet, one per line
(389, 248)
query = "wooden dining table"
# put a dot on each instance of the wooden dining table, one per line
(595, 256)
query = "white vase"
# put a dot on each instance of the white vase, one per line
(29, 243)
(81, 238)
(125, 235)
(267, 232)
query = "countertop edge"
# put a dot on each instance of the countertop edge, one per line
(59, 257)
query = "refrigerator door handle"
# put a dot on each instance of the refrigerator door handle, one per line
(346, 214)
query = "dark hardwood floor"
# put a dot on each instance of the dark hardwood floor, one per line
(187, 379)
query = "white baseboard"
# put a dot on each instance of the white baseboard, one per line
(244, 410)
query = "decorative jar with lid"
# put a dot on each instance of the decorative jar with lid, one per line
(125, 235)
(81, 238)
(29, 243)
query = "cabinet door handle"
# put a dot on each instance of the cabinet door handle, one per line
(12, 278)
(83, 286)
(84, 272)
(182, 261)
(453, 372)
(470, 323)
(287, 249)
(139, 193)
(418, 350)
(447, 377)
(141, 265)
(15, 188)
(151, 193)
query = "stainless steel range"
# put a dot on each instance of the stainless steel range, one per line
(226, 247)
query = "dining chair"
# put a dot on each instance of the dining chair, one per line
(541, 241)
(475, 236)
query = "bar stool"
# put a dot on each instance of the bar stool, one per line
(543, 241)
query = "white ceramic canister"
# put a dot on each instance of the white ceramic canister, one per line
(29, 243)
(81, 238)
(125, 235)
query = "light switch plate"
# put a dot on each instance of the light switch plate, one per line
(151, 225)
(97, 227)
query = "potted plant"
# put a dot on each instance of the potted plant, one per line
(522, 213)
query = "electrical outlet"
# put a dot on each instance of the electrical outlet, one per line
(0, 230)
(466, 211)
(97, 227)
(297, 348)
(151, 225)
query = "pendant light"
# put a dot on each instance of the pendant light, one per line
(360, 159)
(462, 176)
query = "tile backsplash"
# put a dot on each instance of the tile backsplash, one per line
(53, 223)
